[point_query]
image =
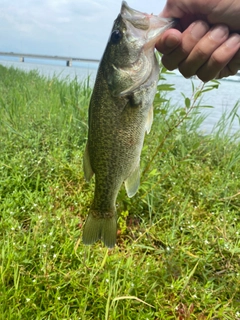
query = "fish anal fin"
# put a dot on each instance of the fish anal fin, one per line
(87, 168)
(149, 120)
(132, 182)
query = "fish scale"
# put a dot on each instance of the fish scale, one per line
(120, 112)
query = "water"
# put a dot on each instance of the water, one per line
(222, 99)
(57, 68)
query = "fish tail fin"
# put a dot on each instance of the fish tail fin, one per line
(96, 228)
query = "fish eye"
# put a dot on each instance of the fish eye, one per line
(116, 36)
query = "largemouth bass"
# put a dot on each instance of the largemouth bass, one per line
(120, 112)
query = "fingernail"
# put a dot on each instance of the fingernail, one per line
(233, 41)
(199, 29)
(218, 32)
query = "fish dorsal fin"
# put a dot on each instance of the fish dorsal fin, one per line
(149, 120)
(87, 168)
(132, 182)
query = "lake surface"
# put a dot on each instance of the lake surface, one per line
(222, 99)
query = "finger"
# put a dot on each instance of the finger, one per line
(232, 67)
(169, 41)
(204, 50)
(234, 64)
(223, 57)
(190, 37)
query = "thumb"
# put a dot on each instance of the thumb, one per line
(168, 41)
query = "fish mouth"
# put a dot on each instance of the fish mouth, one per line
(153, 24)
(145, 29)
(138, 19)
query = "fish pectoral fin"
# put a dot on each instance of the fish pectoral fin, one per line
(149, 120)
(87, 168)
(132, 182)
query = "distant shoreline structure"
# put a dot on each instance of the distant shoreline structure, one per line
(69, 60)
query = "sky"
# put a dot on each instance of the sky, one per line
(73, 28)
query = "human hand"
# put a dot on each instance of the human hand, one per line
(196, 48)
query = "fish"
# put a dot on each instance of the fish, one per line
(120, 112)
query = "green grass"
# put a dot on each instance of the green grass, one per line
(178, 252)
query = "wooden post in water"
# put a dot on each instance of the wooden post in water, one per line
(69, 63)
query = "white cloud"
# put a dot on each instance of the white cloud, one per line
(62, 27)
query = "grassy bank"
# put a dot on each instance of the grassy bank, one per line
(178, 253)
